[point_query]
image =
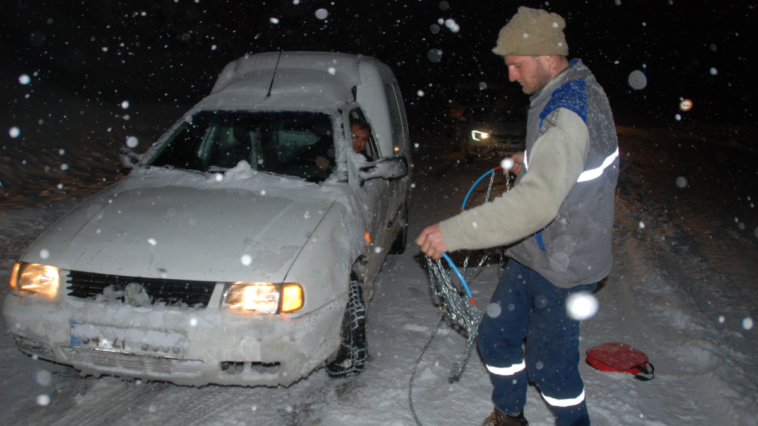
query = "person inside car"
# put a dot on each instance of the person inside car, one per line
(360, 131)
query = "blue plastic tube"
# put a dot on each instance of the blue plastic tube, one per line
(465, 200)
(463, 281)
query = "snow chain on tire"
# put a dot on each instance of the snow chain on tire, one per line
(353, 353)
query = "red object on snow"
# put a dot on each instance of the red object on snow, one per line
(620, 358)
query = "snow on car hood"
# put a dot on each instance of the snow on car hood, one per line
(179, 225)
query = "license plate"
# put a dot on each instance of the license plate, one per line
(129, 340)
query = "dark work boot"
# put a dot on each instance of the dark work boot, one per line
(498, 418)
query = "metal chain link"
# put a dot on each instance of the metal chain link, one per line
(455, 306)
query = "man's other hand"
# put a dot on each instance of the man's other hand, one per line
(518, 161)
(431, 242)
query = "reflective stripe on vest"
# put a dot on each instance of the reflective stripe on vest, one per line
(507, 371)
(569, 402)
(595, 173)
(589, 174)
(526, 161)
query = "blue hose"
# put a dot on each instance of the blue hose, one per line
(463, 281)
(465, 200)
(450, 261)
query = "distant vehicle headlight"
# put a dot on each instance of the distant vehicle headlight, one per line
(33, 278)
(263, 298)
(477, 135)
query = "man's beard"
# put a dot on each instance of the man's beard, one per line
(542, 79)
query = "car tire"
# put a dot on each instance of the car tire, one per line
(353, 353)
(398, 246)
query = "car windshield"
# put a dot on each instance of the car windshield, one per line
(492, 114)
(296, 144)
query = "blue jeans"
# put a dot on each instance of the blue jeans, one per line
(526, 306)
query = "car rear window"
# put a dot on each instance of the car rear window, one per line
(297, 144)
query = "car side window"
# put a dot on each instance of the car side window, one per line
(397, 119)
(369, 149)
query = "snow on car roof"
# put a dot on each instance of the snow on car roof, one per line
(303, 81)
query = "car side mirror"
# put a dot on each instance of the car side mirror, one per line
(385, 168)
(128, 158)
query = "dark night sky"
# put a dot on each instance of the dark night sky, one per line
(164, 46)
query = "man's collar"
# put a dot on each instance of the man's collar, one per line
(554, 79)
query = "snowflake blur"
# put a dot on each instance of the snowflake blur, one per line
(581, 306)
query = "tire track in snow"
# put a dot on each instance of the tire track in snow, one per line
(107, 400)
(675, 284)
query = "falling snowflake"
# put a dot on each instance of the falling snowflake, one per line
(637, 80)
(747, 323)
(435, 55)
(132, 142)
(581, 306)
(43, 400)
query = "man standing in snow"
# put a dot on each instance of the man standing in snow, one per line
(557, 221)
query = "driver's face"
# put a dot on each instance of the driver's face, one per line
(360, 138)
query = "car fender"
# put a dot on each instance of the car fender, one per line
(328, 245)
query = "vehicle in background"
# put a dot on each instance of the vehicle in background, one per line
(491, 130)
(241, 247)
(471, 93)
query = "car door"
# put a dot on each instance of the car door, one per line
(372, 197)
(398, 196)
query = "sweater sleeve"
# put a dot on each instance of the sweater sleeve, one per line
(555, 162)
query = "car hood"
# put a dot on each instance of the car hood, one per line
(182, 233)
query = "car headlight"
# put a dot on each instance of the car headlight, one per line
(263, 298)
(477, 135)
(33, 278)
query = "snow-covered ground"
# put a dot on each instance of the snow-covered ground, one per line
(683, 288)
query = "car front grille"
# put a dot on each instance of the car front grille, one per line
(88, 285)
(127, 363)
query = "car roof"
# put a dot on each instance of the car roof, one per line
(288, 80)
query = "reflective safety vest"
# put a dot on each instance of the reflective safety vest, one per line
(575, 248)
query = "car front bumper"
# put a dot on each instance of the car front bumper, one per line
(185, 346)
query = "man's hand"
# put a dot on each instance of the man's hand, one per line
(518, 161)
(431, 242)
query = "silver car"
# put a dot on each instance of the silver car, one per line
(243, 245)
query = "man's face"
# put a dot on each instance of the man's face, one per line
(360, 138)
(529, 71)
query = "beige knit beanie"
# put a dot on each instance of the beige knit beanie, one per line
(532, 32)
